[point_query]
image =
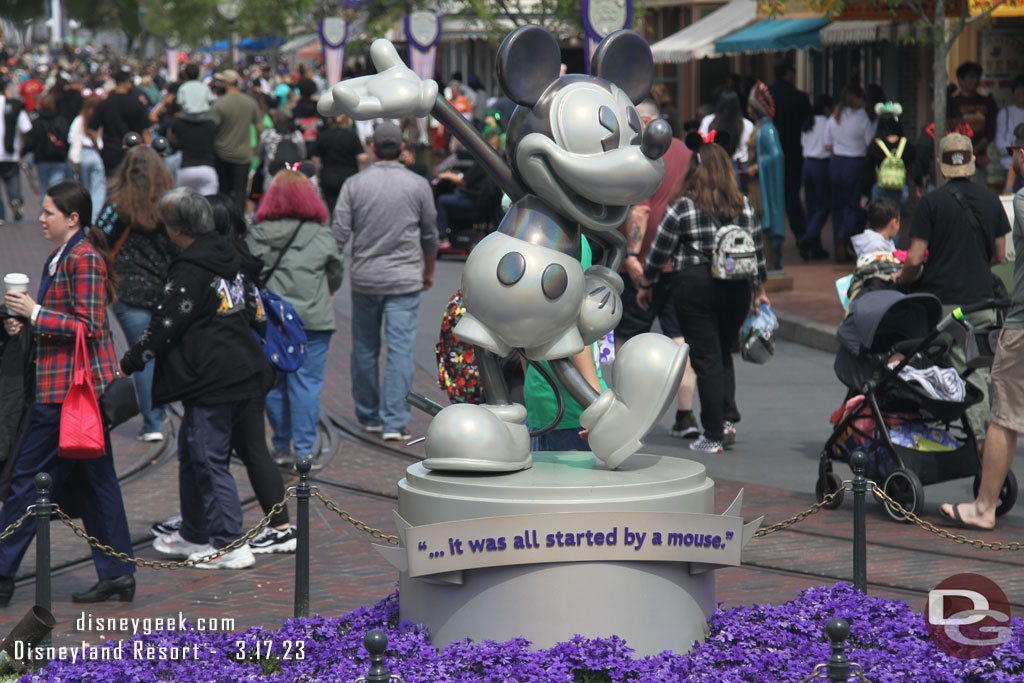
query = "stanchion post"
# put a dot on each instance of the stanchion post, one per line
(302, 542)
(838, 667)
(860, 542)
(376, 643)
(42, 510)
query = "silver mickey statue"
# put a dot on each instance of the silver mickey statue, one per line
(578, 157)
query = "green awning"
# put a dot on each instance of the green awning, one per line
(773, 35)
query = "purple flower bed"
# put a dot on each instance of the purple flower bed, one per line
(750, 644)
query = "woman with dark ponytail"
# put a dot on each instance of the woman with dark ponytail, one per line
(74, 290)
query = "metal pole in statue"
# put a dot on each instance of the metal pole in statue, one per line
(860, 541)
(42, 513)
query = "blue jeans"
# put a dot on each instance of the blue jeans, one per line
(52, 172)
(898, 196)
(818, 196)
(560, 440)
(92, 175)
(173, 163)
(10, 174)
(844, 177)
(460, 208)
(293, 404)
(134, 322)
(398, 314)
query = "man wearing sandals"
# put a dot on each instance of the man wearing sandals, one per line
(1007, 385)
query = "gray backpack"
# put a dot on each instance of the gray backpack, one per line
(734, 256)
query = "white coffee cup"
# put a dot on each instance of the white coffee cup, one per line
(16, 282)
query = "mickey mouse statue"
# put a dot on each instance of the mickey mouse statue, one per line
(578, 158)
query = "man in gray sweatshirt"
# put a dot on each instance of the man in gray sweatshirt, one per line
(388, 212)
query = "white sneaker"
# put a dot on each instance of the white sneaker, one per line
(168, 527)
(706, 445)
(272, 540)
(151, 437)
(239, 558)
(174, 544)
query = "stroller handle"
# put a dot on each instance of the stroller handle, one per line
(960, 312)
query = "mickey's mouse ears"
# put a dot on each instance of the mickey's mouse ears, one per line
(694, 140)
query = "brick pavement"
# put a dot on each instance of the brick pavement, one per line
(346, 572)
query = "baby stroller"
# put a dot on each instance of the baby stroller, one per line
(912, 436)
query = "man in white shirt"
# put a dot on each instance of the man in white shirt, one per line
(14, 124)
(1007, 121)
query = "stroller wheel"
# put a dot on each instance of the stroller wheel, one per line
(828, 483)
(905, 488)
(1007, 494)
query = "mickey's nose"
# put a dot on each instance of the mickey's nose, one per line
(657, 138)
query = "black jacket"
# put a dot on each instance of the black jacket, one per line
(793, 114)
(200, 334)
(142, 261)
(49, 137)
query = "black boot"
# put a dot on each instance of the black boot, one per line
(6, 590)
(121, 586)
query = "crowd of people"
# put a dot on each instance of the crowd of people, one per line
(179, 203)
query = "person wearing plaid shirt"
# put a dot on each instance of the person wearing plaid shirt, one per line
(710, 311)
(72, 290)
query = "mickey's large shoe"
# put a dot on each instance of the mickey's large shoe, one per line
(478, 438)
(646, 376)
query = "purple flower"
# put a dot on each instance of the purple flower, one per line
(749, 644)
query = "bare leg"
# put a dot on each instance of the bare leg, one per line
(686, 386)
(1000, 443)
(684, 400)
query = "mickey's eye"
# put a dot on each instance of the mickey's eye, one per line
(635, 125)
(606, 117)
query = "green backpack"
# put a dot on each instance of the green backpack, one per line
(892, 172)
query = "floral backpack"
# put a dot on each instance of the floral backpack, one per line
(457, 372)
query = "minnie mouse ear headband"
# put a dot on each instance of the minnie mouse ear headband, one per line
(694, 140)
(894, 108)
(306, 168)
(762, 101)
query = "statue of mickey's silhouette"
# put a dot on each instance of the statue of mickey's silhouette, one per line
(578, 157)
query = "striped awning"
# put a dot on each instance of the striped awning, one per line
(857, 32)
(697, 40)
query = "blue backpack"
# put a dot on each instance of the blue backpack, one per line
(284, 342)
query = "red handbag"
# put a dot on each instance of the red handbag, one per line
(81, 427)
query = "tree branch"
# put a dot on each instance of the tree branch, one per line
(918, 8)
(988, 12)
(505, 9)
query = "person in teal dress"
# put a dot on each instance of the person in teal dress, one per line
(771, 169)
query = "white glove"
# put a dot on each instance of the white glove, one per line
(394, 92)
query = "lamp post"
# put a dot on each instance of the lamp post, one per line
(230, 9)
(74, 25)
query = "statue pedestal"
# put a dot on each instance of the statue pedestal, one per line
(594, 524)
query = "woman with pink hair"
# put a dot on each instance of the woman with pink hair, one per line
(291, 231)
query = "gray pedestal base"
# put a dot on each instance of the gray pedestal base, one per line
(654, 606)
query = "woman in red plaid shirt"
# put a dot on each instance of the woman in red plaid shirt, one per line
(73, 289)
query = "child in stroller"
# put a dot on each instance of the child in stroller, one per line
(905, 407)
(878, 261)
